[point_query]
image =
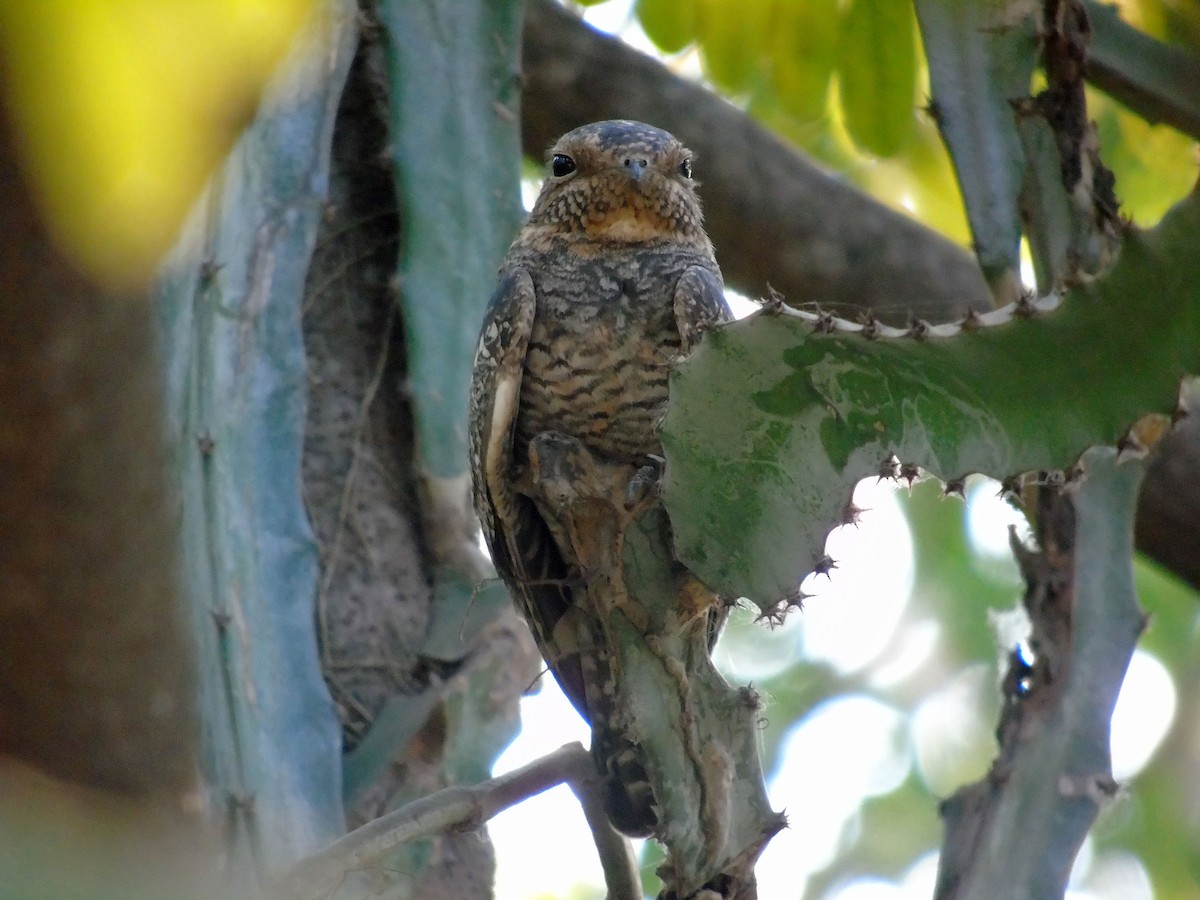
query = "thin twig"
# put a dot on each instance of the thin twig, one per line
(466, 808)
(617, 859)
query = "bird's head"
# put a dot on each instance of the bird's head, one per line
(619, 181)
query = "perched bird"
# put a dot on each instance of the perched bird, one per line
(608, 283)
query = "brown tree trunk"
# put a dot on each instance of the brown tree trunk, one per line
(97, 721)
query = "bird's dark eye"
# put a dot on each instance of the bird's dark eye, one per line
(685, 168)
(561, 165)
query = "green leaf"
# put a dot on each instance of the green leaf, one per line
(802, 47)
(771, 425)
(669, 23)
(980, 60)
(877, 72)
(732, 33)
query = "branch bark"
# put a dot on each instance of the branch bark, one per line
(1015, 833)
(1155, 80)
(463, 808)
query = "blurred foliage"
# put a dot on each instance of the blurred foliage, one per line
(123, 113)
(877, 73)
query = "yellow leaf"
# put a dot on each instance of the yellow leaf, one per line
(124, 107)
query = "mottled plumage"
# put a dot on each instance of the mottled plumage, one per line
(607, 284)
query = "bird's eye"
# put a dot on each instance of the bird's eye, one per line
(561, 165)
(685, 168)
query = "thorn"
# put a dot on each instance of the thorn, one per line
(773, 615)
(1052, 478)
(889, 469)
(1010, 489)
(749, 698)
(773, 304)
(1107, 785)
(824, 566)
(1024, 307)
(955, 487)
(1130, 447)
(205, 444)
(795, 600)
(1182, 407)
(933, 109)
(1147, 432)
(825, 324)
(910, 473)
(918, 330)
(871, 328)
(209, 268)
(971, 321)
(851, 514)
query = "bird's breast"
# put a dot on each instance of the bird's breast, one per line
(603, 341)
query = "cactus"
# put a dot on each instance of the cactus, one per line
(776, 417)
(228, 300)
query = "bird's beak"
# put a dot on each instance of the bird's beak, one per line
(635, 167)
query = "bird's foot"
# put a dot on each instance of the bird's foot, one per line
(646, 485)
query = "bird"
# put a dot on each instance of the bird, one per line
(609, 282)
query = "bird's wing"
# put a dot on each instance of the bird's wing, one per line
(699, 304)
(523, 550)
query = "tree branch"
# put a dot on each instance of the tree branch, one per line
(465, 808)
(1015, 833)
(1155, 80)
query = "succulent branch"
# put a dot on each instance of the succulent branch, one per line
(775, 418)
(1015, 833)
